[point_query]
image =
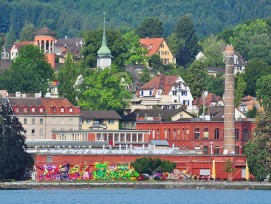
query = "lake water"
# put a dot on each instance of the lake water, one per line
(135, 196)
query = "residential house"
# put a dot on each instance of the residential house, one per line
(160, 47)
(247, 103)
(4, 54)
(40, 116)
(107, 120)
(65, 45)
(129, 120)
(16, 47)
(214, 71)
(163, 92)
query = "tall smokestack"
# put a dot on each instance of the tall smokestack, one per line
(229, 108)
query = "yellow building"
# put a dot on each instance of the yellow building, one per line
(107, 120)
(160, 47)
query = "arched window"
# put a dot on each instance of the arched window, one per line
(174, 134)
(197, 134)
(206, 134)
(165, 133)
(237, 132)
(217, 134)
(169, 134)
(245, 134)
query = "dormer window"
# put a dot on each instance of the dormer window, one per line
(70, 109)
(16, 110)
(41, 110)
(33, 109)
(25, 109)
(62, 110)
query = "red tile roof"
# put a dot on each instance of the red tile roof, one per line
(47, 103)
(44, 31)
(151, 44)
(58, 103)
(160, 82)
(211, 97)
(19, 45)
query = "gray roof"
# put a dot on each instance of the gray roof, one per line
(159, 143)
(164, 113)
(100, 115)
(60, 143)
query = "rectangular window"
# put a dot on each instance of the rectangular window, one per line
(62, 110)
(140, 137)
(204, 172)
(128, 137)
(49, 160)
(116, 137)
(111, 122)
(205, 149)
(122, 137)
(174, 93)
(205, 135)
(41, 121)
(88, 121)
(33, 121)
(41, 131)
(25, 120)
(216, 150)
(71, 121)
(98, 137)
(33, 110)
(33, 131)
(184, 93)
(150, 93)
(134, 137)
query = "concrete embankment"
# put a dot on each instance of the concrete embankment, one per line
(136, 185)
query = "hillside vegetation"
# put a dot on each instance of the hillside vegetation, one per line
(70, 17)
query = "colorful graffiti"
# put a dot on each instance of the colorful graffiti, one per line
(101, 171)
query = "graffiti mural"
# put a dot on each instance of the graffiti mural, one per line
(100, 171)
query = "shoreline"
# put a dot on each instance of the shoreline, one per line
(23, 185)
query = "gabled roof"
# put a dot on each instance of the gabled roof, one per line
(44, 31)
(48, 103)
(165, 114)
(100, 115)
(19, 45)
(160, 82)
(151, 44)
(240, 59)
(211, 97)
(216, 111)
(26, 102)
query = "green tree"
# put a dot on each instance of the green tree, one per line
(155, 62)
(253, 39)
(147, 165)
(145, 75)
(29, 73)
(67, 76)
(252, 113)
(187, 40)
(104, 90)
(136, 53)
(213, 51)
(240, 88)
(258, 150)
(229, 168)
(215, 84)
(255, 69)
(10, 38)
(14, 158)
(151, 27)
(196, 78)
(263, 92)
(27, 32)
(115, 42)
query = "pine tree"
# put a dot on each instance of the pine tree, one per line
(14, 159)
(10, 38)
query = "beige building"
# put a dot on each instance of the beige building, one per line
(40, 116)
(158, 46)
(107, 120)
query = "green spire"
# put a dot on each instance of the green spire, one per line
(104, 50)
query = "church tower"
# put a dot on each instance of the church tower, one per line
(104, 54)
(45, 40)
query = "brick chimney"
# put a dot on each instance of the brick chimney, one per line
(229, 108)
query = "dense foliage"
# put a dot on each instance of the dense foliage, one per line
(147, 165)
(105, 90)
(69, 17)
(258, 151)
(14, 161)
(29, 73)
